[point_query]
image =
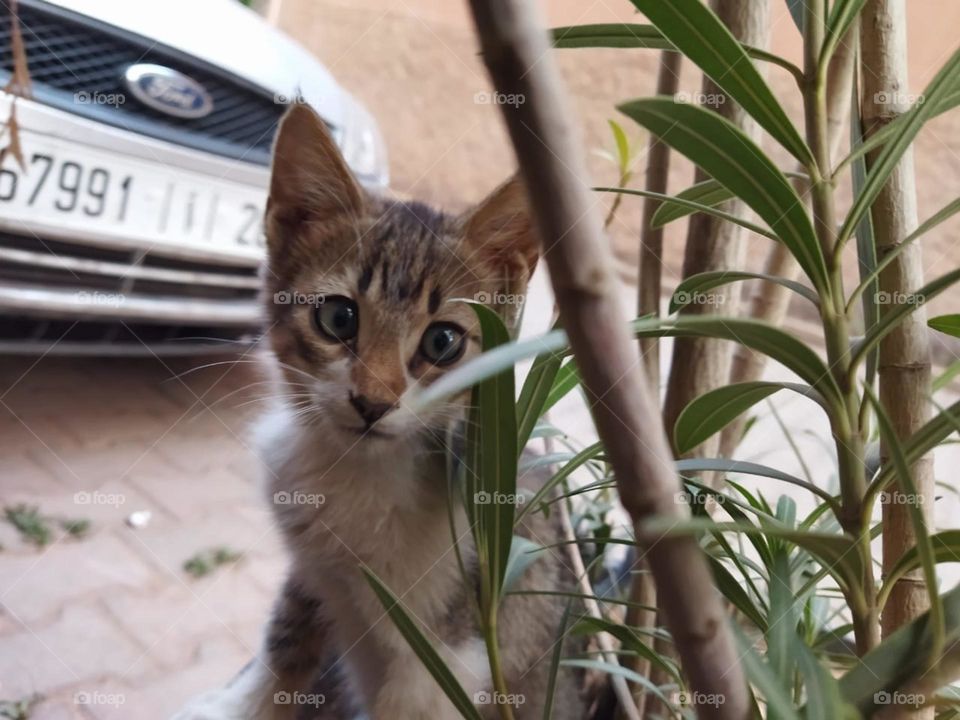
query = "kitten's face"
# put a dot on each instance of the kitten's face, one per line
(361, 291)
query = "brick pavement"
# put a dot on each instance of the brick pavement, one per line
(113, 616)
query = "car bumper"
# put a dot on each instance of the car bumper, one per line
(65, 274)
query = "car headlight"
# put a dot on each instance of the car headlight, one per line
(363, 148)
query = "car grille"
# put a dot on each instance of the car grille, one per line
(72, 57)
(83, 297)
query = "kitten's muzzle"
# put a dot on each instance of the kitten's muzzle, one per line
(369, 410)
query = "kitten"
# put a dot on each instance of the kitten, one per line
(357, 478)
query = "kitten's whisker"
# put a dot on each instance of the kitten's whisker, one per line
(237, 361)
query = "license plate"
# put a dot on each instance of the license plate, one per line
(71, 187)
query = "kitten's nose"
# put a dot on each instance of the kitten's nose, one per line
(369, 410)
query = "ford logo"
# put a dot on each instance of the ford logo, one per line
(168, 91)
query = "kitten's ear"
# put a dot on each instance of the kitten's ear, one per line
(309, 177)
(499, 232)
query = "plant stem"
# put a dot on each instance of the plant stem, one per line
(845, 423)
(504, 708)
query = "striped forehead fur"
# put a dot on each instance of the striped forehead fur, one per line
(410, 246)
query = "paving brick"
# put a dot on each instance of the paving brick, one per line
(20, 475)
(170, 543)
(63, 708)
(81, 646)
(216, 662)
(177, 621)
(36, 584)
(187, 495)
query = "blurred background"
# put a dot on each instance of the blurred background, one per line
(137, 562)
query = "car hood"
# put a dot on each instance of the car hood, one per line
(230, 36)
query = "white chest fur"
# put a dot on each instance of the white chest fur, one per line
(342, 506)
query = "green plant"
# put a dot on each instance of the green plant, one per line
(205, 562)
(799, 584)
(38, 528)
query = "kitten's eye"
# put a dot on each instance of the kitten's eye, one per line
(442, 343)
(338, 318)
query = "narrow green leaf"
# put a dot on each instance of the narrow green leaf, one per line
(691, 206)
(944, 379)
(702, 37)
(555, 662)
(613, 35)
(759, 336)
(723, 151)
(933, 432)
(824, 701)
(939, 88)
(842, 15)
(947, 102)
(711, 412)
(782, 630)
(913, 501)
(866, 242)
(709, 193)
(868, 280)
(623, 146)
(796, 12)
(733, 591)
(568, 377)
(902, 306)
(486, 365)
(546, 489)
(422, 647)
(838, 553)
(946, 549)
(634, 36)
(949, 324)
(611, 669)
(629, 640)
(760, 675)
(764, 338)
(494, 418)
(534, 392)
(688, 290)
(901, 657)
(523, 553)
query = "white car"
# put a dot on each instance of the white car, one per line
(135, 226)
